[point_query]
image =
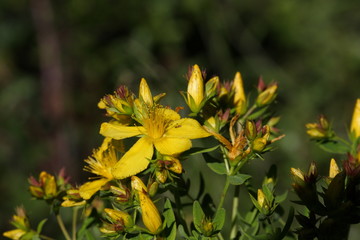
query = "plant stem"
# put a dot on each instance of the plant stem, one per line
(62, 227)
(46, 237)
(235, 206)
(223, 194)
(74, 221)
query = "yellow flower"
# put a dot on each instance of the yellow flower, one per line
(163, 129)
(21, 222)
(101, 164)
(355, 123)
(239, 96)
(195, 89)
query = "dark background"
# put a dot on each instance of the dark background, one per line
(58, 58)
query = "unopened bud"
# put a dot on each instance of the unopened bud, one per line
(239, 94)
(259, 144)
(175, 166)
(150, 214)
(211, 86)
(355, 123)
(207, 227)
(250, 130)
(36, 191)
(137, 184)
(334, 169)
(161, 175)
(145, 93)
(261, 197)
(195, 89)
(153, 187)
(117, 216)
(267, 96)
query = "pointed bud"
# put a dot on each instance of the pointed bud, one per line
(312, 173)
(267, 96)
(298, 174)
(145, 93)
(150, 214)
(334, 169)
(117, 216)
(355, 123)
(250, 130)
(153, 187)
(195, 89)
(261, 198)
(36, 191)
(175, 166)
(137, 184)
(211, 86)
(239, 96)
(161, 175)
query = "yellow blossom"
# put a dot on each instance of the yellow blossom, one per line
(355, 123)
(163, 129)
(101, 164)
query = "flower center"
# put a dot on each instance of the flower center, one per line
(156, 124)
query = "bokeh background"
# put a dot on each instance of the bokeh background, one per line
(58, 58)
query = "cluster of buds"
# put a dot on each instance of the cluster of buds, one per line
(48, 187)
(23, 229)
(165, 166)
(320, 130)
(73, 198)
(257, 135)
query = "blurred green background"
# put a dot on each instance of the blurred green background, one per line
(58, 58)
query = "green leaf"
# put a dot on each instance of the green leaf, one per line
(197, 150)
(281, 198)
(218, 168)
(169, 213)
(198, 215)
(255, 202)
(89, 235)
(182, 232)
(258, 113)
(41, 225)
(334, 147)
(238, 179)
(219, 219)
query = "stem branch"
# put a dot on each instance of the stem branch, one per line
(62, 227)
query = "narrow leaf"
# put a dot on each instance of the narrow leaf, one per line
(238, 179)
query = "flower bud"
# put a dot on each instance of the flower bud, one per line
(195, 89)
(150, 214)
(207, 227)
(267, 96)
(145, 93)
(175, 165)
(153, 187)
(137, 184)
(334, 169)
(259, 144)
(211, 87)
(161, 175)
(239, 94)
(298, 175)
(122, 195)
(119, 217)
(36, 191)
(355, 123)
(250, 130)
(261, 198)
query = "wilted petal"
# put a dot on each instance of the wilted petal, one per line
(170, 146)
(135, 160)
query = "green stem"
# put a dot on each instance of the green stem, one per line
(74, 221)
(46, 237)
(223, 194)
(247, 114)
(235, 206)
(62, 227)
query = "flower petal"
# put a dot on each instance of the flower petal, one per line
(170, 146)
(135, 160)
(118, 131)
(186, 128)
(90, 188)
(14, 234)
